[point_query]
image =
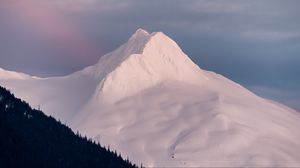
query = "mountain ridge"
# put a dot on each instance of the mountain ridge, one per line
(134, 66)
(5, 74)
(30, 138)
(167, 110)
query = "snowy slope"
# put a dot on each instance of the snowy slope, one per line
(4, 74)
(149, 101)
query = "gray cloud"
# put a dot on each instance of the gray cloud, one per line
(287, 96)
(255, 42)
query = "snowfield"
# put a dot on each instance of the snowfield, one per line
(150, 102)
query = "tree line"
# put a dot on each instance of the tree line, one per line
(29, 138)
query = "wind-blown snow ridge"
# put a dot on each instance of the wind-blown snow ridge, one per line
(149, 101)
(4, 74)
(144, 61)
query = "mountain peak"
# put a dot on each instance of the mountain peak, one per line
(141, 31)
(143, 61)
(142, 41)
(140, 34)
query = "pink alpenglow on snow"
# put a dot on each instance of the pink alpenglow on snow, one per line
(148, 100)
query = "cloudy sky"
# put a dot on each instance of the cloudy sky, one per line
(255, 43)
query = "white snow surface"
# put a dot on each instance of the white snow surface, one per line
(150, 102)
(5, 74)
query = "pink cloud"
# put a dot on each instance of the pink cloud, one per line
(50, 23)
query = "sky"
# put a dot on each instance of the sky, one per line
(255, 43)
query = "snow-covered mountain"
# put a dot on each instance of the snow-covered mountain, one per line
(4, 74)
(149, 101)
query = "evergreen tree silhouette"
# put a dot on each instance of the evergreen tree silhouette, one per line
(28, 138)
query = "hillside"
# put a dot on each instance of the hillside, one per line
(28, 138)
(148, 100)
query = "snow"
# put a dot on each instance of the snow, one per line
(150, 102)
(4, 74)
(6, 106)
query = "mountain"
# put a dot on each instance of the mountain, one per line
(149, 101)
(31, 139)
(4, 74)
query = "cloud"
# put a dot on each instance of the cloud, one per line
(260, 34)
(288, 96)
(272, 35)
(48, 29)
(255, 42)
(90, 5)
(253, 20)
